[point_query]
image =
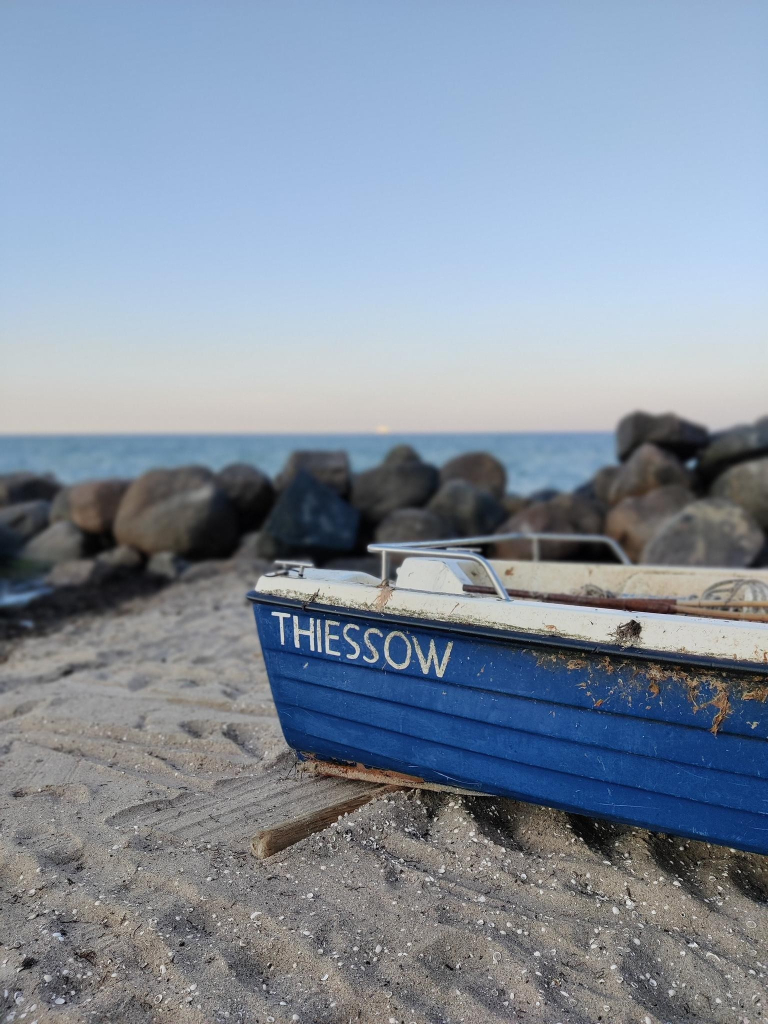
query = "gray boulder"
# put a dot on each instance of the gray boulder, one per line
(647, 468)
(200, 523)
(513, 503)
(746, 484)
(121, 559)
(401, 481)
(77, 572)
(10, 544)
(479, 468)
(330, 468)
(26, 519)
(668, 431)
(407, 524)
(167, 565)
(178, 510)
(250, 492)
(60, 506)
(731, 446)
(713, 531)
(466, 510)
(565, 513)
(308, 517)
(92, 505)
(602, 482)
(60, 542)
(635, 520)
(18, 487)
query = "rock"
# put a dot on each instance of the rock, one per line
(327, 467)
(401, 453)
(565, 513)
(668, 431)
(178, 510)
(18, 487)
(248, 548)
(466, 510)
(731, 446)
(60, 542)
(250, 491)
(77, 572)
(207, 570)
(92, 505)
(10, 544)
(167, 564)
(60, 506)
(309, 517)
(26, 519)
(513, 503)
(401, 481)
(746, 484)
(543, 494)
(478, 468)
(121, 559)
(602, 482)
(635, 520)
(713, 531)
(406, 524)
(647, 468)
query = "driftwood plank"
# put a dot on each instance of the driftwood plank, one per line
(262, 812)
(304, 821)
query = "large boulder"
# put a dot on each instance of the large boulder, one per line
(18, 487)
(250, 491)
(78, 572)
(731, 446)
(647, 468)
(178, 510)
(200, 523)
(92, 505)
(26, 519)
(308, 517)
(401, 481)
(10, 544)
(601, 483)
(479, 468)
(409, 524)
(635, 520)
(330, 468)
(466, 510)
(60, 542)
(668, 431)
(746, 484)
(713, 531)
(120, 560)
(565, 513)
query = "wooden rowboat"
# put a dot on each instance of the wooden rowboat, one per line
(591, 702)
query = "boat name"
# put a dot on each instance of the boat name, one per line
(350, 641)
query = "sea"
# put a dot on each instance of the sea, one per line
(534, 461)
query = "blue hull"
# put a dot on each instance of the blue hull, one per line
(664, 742)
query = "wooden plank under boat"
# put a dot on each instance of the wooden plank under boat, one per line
(645, 717)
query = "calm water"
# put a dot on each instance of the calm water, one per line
(533, 461)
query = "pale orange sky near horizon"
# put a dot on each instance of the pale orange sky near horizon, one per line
(434, 217)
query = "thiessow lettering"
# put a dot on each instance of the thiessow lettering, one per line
(351, 642)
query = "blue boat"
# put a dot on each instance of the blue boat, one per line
(634, 694)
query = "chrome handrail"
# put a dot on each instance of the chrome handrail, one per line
(535, 538)
(416, 550)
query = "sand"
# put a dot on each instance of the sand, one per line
(428, 908)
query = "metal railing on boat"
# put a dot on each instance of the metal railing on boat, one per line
(466, 549)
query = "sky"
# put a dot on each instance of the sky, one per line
(334, 215)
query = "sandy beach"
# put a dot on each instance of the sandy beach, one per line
(427, 908)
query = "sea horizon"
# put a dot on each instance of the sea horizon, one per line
(533, 459)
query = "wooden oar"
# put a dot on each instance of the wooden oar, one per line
(659, 605)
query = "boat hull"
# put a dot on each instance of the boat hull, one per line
(664, 742)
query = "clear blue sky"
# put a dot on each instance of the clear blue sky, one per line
(430, 214)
